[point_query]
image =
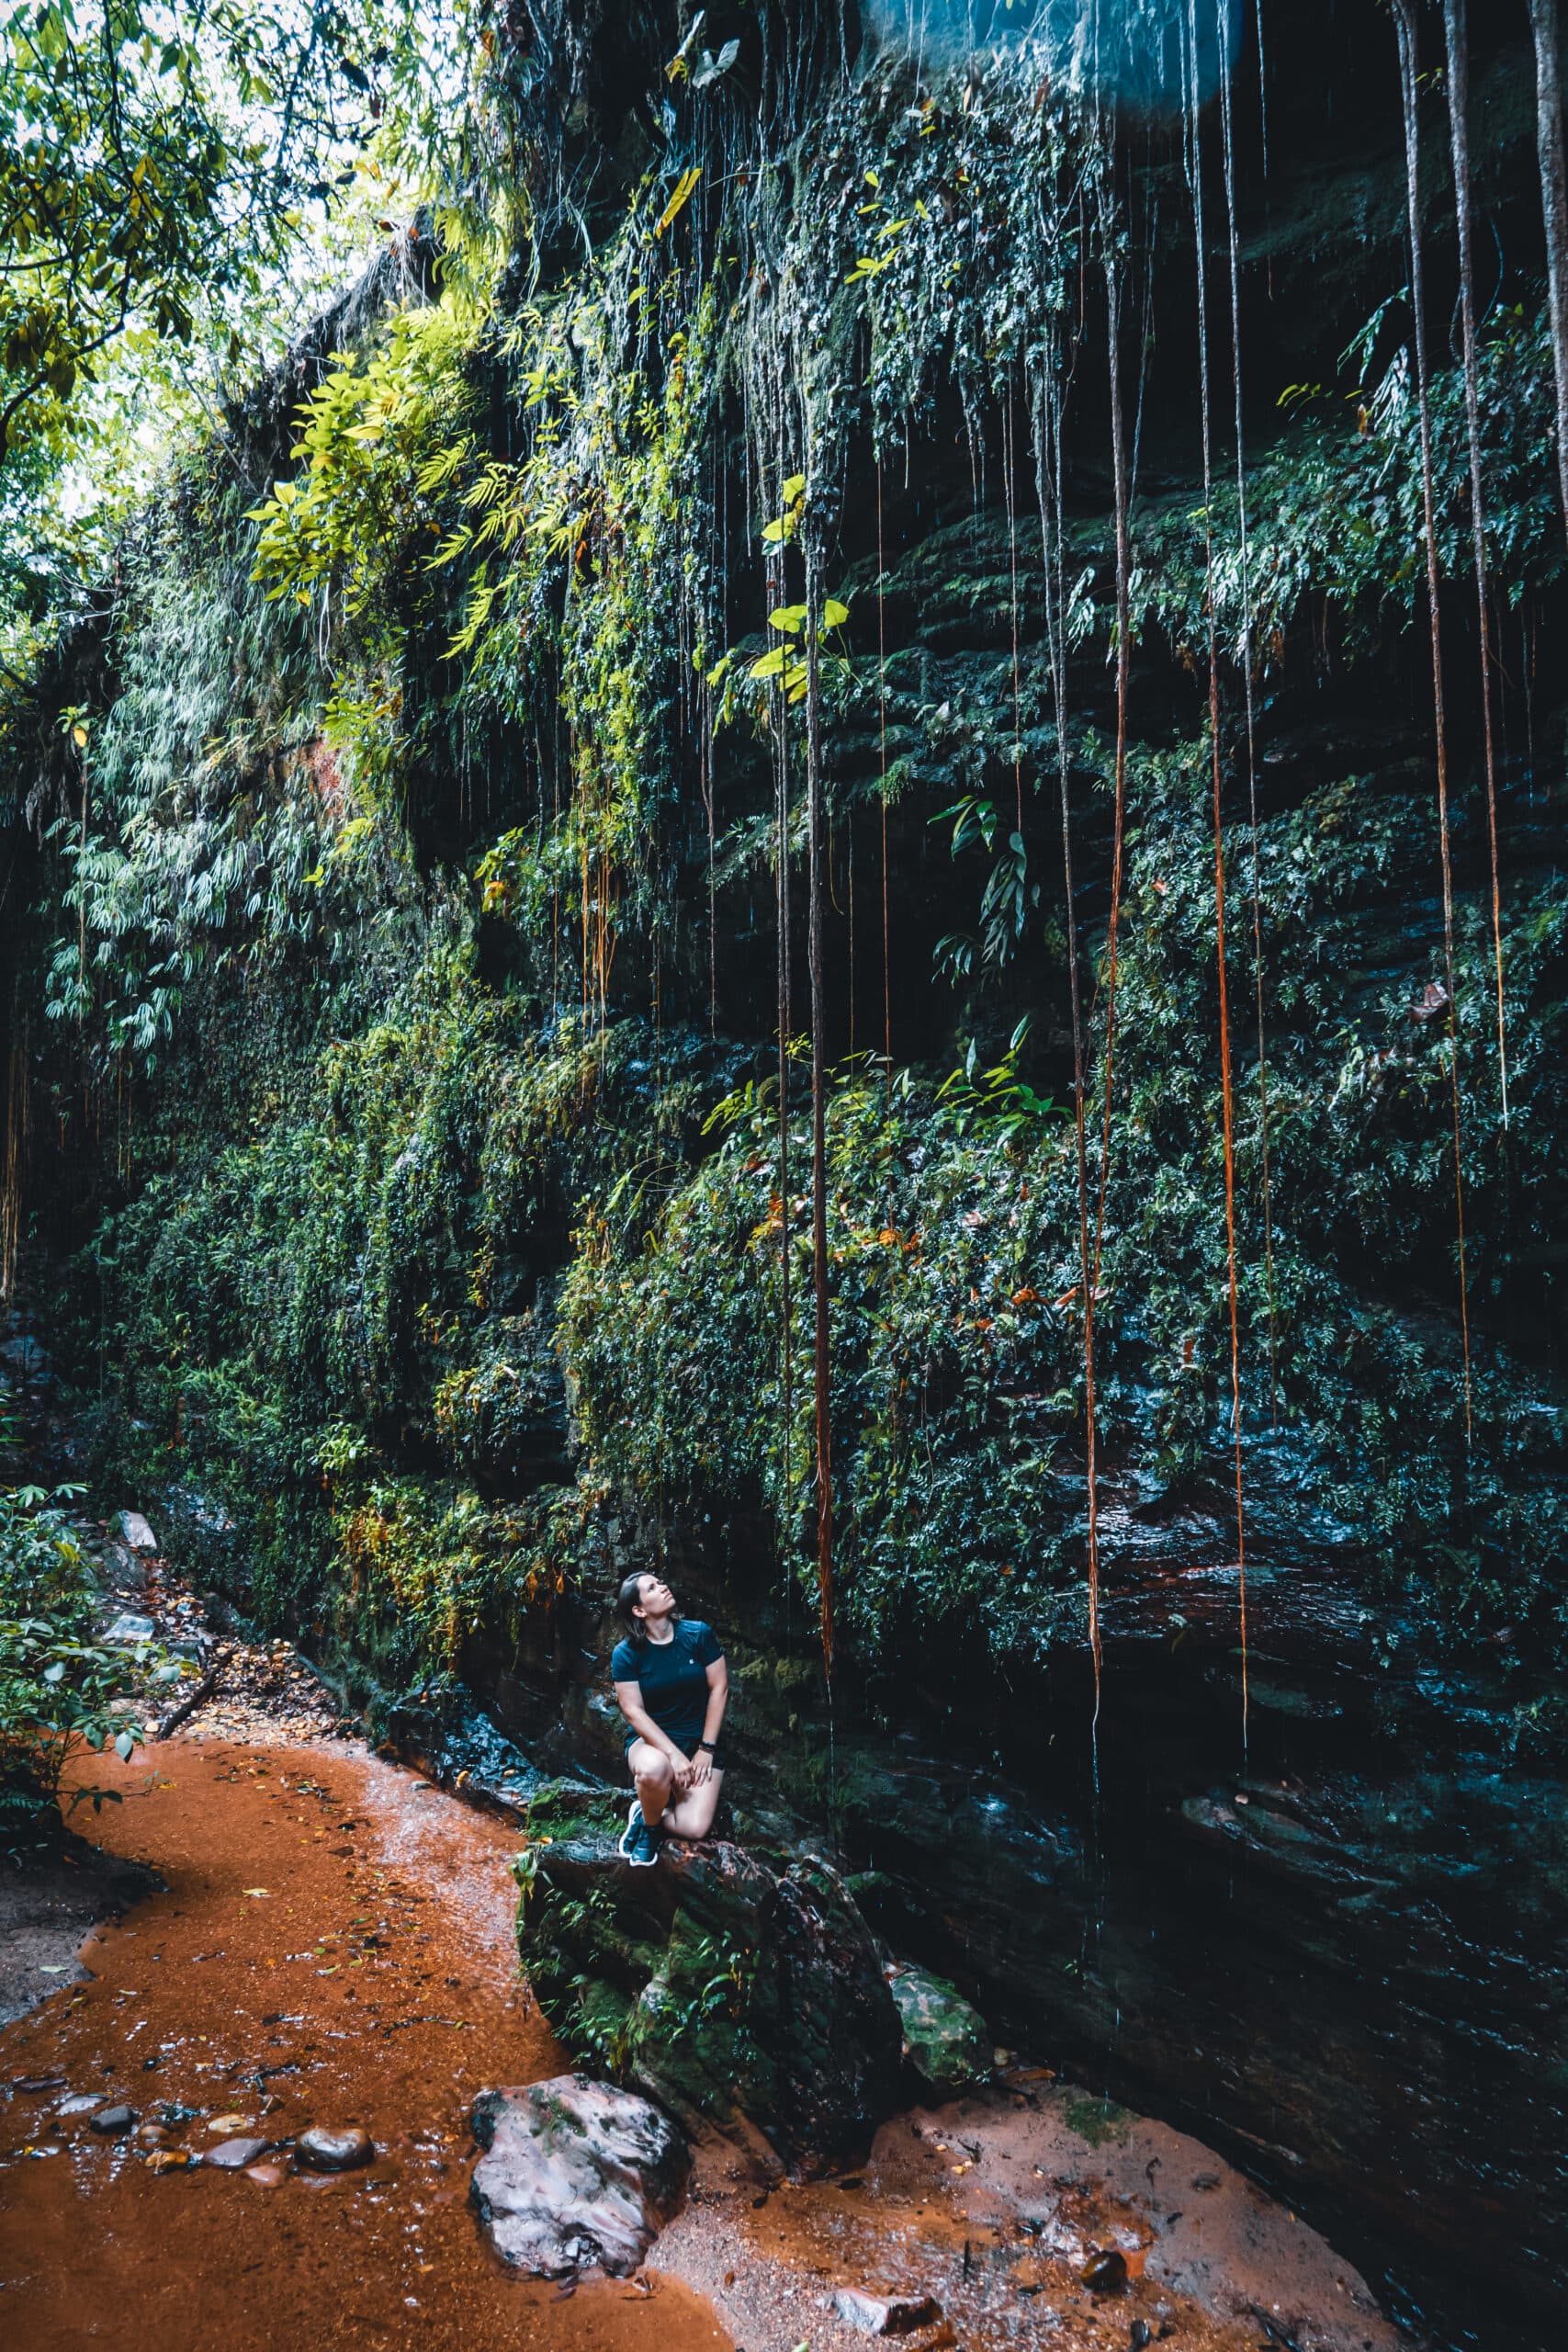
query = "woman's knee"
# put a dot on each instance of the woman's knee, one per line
(652, 1767)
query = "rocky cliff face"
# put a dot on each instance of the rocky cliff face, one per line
(437, 1271)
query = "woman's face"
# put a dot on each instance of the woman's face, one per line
(655, 1598)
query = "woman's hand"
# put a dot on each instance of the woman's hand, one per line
(701, 1767)
(682, 1772)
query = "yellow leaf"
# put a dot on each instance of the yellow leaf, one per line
(680, 200)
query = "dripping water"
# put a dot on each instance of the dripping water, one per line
(1457, 35)
(1554, 210)
(1405, 26)
(1195, 173)
(1234, 239)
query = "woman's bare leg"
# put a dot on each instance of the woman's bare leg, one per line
(651, 1771)
(692, 1815)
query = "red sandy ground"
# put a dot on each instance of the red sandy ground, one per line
(220, 1985)
(335, 1947)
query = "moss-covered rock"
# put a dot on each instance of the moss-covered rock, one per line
(946, 2039)
(730, 1985)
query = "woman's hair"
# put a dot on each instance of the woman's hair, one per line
(628, 1599)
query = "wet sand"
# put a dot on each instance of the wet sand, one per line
(333, 1947)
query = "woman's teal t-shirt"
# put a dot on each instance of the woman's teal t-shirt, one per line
(673, 1676)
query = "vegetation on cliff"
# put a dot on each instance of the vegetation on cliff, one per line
(405, 832)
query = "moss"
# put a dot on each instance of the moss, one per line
(1097, 2120)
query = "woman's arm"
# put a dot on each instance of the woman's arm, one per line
(628, 1698)
(718, 1699)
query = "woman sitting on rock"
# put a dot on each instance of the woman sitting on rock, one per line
(671, 1685)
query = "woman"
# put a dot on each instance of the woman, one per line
(671, 1685)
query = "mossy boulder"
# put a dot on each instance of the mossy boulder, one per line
(734, 1987)
(946, 2041)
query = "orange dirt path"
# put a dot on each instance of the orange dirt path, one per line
(333, 1947)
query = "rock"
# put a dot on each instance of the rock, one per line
(1105, 2272)
(730, 1986)
(149, 2135)
(30, 2085)
(575, 2175)
(112, 2120)
(884, 2314)
(79, 2103)
(128, 1527)
(266, 2175)
(237, 2155)
(171, 2160)
(328, 2151)
(125, 1570)
(947, 2042)
(128, 1627)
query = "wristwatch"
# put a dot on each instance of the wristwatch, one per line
(707, 1744)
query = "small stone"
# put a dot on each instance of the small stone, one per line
(234, 2155)
(328, 2151)
(151, 2135)
(29, 2086)
(885, 2315)
(171, 2160)
(1105, 2272)
(132, 1530)
(79, 2103)
(130, 1628)
(112, 2120)
(266, 2175)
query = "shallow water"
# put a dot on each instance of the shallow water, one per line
(334, 1947)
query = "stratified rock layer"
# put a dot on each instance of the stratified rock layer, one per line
(726, 1985)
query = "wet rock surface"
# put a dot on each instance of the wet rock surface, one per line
(234, 2155)
(1361, 1932)
(575, 2175)
(732, 1985)
(325, 2150)
(946, 2041)
(54, 1886)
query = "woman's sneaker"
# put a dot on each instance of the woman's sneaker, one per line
(640, 1844)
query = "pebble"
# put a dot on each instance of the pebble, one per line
(132, 1628)
(266, 2175)
(79, 2103)
(25, 2086)
(234, 2155)
(328, 2151)
(171, 2160)
(112, 2120)
(884, 2314)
